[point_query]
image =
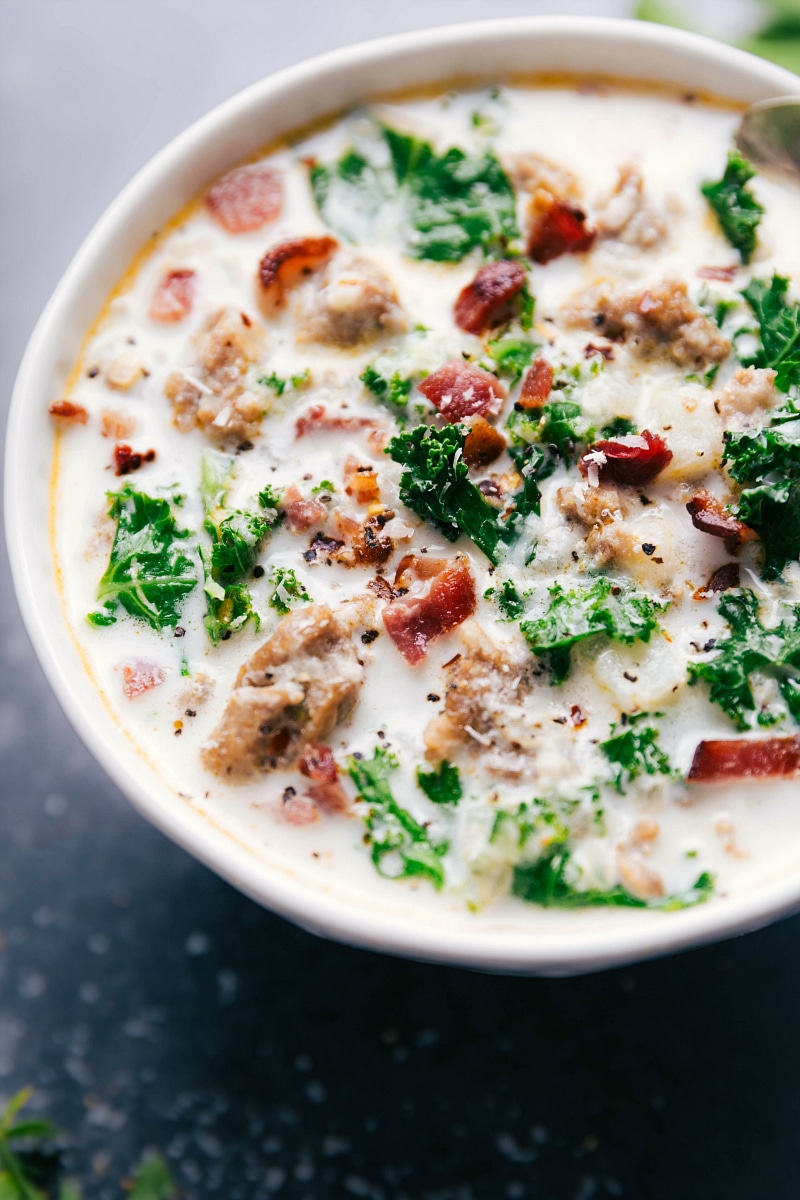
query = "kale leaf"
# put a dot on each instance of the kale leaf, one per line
(546, 881)
(149, 573)
(634, 751)
(737, 209)
(435, 485)
(287, 589)
(767, 462)
(618, 427)
(394, 391)
(401, 847)
(511, 356)
(453, 202)
(507, 599)
(750, 648)
(779, 325)
(621, 613)
(278, 385)
(236, 539)
(442, 786)
(556, 425)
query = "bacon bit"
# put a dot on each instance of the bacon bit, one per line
(483, 444)
(246, 198)
(537, 384)
(720, 274)
(723, 579)
(174, 296)
(286, 264)
(139, 677)
(320, 544)
(381, 588)
(301, 514)
(69, 413)
(627, 461)
(710, 516)
(316, 420)
(606, 352)
(486, 301)
(126, 461)
(316, 762)
(420, 565)
(413, 622)
(116, 425)
(745, 758)
(362, 483)
(298, 810)
(369, 547)
(559, 228)
(460, 390)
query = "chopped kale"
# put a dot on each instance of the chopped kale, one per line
(548, 882)
(393, 391)
(279, 385)
(621, 613)
(634, 751)
(507, 599)
(511, 356)
(737, 209)
(618, 427)
(287, 589)
(324, 485)
(779, 325)
(442, 786)
(767, 462)
(557, 425)
(149, 573)
(152, 1180)
(401, 847)
(236, 539)
(750, 648)
(534, 465)
(436, 486)
(270, 499)
(453, 203)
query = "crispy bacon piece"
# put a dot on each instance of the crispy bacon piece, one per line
(369, 546)
(139, 677)
(316, 763)
(298, 809)
(460, 390)
(361, 482)
(69, 413)
(626, 460)
(720, 274)
(486, 301)
(537, 384)
(745, 758)
(246, 198)
(709, 515)
(414, 621)
(483, 444)
(381, 588)
(320, 544)
(126, 460)
(317, 419)
(116, 425)
(174, 296)
(285, 265)
(722, 580)
(558, 228)
(590, 350)
(301, 514)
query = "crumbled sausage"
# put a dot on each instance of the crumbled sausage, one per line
(353, 303)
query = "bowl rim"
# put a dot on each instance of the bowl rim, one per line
(485, 947)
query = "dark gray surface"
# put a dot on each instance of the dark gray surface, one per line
(151, 1005)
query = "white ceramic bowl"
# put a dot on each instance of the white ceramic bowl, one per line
(570, 943)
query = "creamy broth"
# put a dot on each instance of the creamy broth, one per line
(541, 762)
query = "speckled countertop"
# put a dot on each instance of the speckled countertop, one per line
(149, 1004)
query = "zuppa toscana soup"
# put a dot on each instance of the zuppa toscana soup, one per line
(427, 501)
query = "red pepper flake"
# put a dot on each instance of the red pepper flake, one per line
(126, 460)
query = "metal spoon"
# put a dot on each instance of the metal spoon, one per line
(769, 135)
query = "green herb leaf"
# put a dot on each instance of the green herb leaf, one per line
(443, 785)
(511, 356)
(393, 391)
(779, 325)
(278, 385)
(148, 574)
(288, 589)
(767, 462)
(737, 209)
(750, 648)
(621, 613)
(635, 751)
(453, 202)
(547, 882)
(507, 599)
(618, 427)
(152, 1180)
(401, 847)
